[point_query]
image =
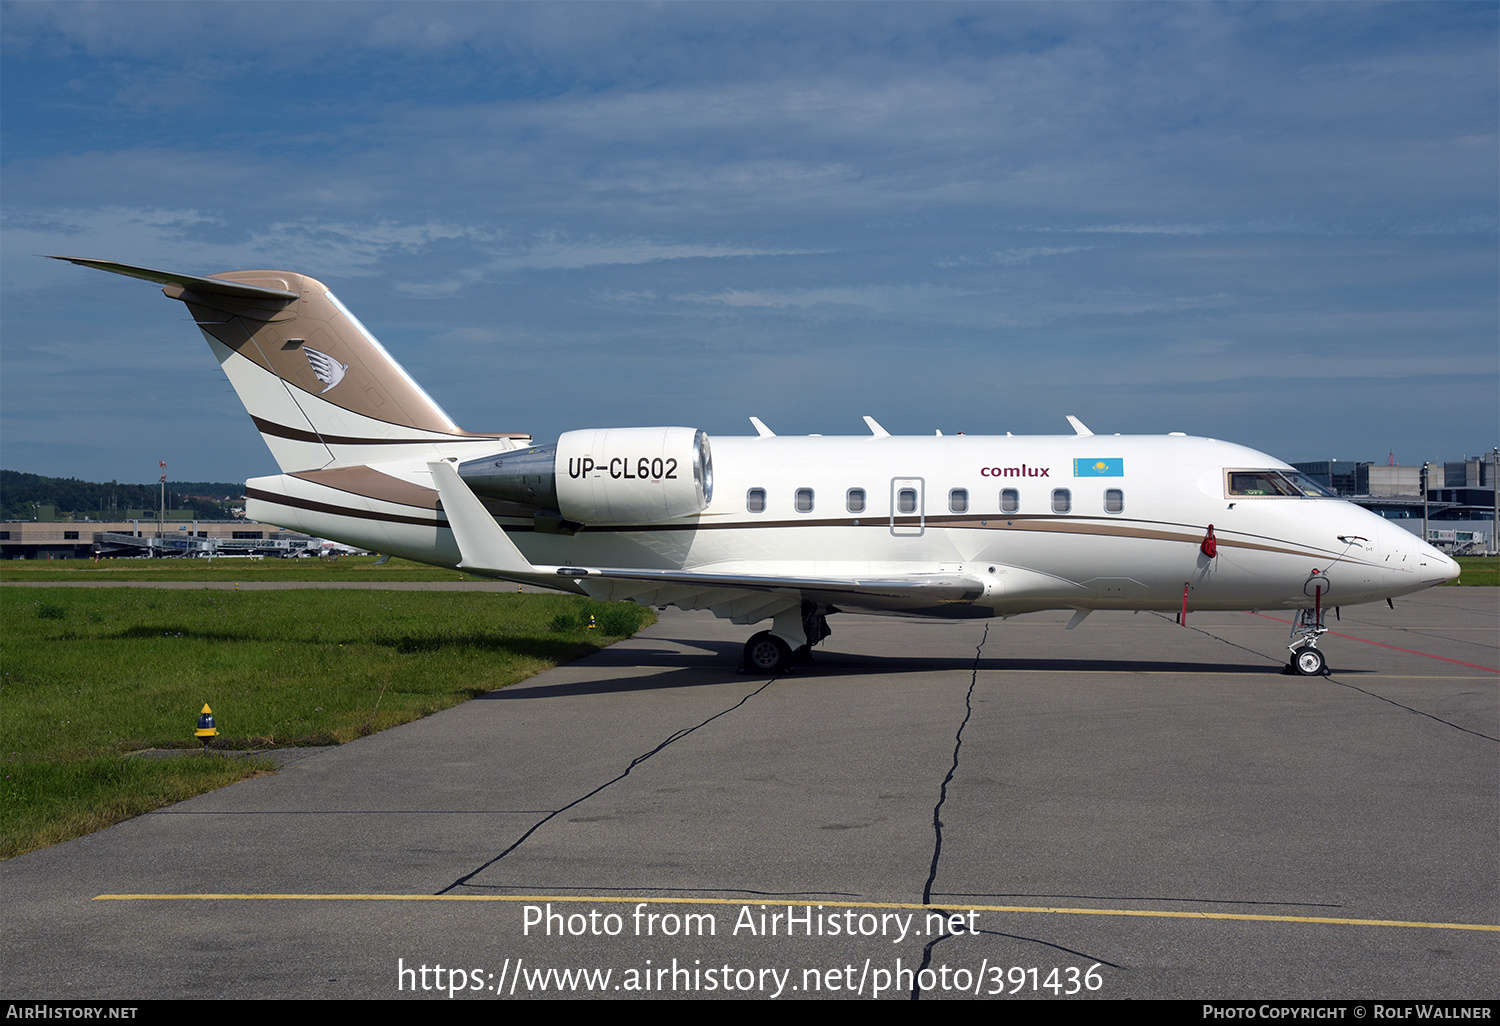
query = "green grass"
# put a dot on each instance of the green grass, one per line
(45, 802)
(88, 675)
(345, 568)
(1479, 570)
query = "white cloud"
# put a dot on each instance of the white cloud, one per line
(1179, 196)
(873, 298)
(560, 252)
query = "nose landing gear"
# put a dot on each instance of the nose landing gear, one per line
(1306, 660)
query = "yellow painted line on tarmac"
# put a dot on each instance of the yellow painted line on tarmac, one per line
(616, 900)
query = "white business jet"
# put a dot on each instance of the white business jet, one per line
(780, 528)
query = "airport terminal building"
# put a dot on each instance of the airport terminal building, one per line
(1459, 503)
(87, 539)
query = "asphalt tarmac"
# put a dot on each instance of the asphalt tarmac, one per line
(1130, 809)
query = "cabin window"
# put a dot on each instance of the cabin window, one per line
(1062, 500)
(958, 500)
(804, 500)
(906, 500)
(755, 500)
(1010, 500)
(854, 501)
(1114, 500)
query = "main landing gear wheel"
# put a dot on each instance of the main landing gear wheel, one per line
(1309, 662)
(765, 653)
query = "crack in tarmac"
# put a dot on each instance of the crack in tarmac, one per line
(958, 743)
(937, 810)
(1172, 619)
(927, 949)
(672, 739)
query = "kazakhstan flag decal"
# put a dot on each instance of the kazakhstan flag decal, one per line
(1099, 468)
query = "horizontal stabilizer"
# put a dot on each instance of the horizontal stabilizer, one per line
(209, 286)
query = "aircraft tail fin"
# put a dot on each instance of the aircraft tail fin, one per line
(321, 389)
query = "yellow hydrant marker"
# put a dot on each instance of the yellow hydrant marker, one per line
(206, 727)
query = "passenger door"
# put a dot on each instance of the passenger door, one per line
(907, 517)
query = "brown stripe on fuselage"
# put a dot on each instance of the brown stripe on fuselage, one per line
(1015, 522)
(369, 483)
(270, 427)
(372, 487)
(372, 484)
(1058, 525)
(297, 502)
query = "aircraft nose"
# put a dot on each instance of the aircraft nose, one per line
(1450, 569)
(1438, 568)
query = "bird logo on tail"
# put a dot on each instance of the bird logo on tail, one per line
(328, 370)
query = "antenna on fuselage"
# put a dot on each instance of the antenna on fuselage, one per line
(875, 429)
(1078, 427)
(761, 429)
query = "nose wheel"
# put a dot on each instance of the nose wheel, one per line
(1309, 663)
(1306, 660)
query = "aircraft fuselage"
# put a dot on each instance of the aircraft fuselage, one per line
(781, 528)
(1044, 522)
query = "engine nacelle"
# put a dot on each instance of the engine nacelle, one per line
(603, 476)
(633, 475)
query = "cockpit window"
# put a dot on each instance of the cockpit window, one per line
(1308, 486)
(1288, 483)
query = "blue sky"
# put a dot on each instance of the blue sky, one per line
(1271, 223)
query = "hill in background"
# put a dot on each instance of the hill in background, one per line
(21, 496)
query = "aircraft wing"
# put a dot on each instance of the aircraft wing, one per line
(752, 597)
(485, 548)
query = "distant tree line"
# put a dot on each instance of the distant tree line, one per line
(20, 494)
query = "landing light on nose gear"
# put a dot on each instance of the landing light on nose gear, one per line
(1306, 660)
